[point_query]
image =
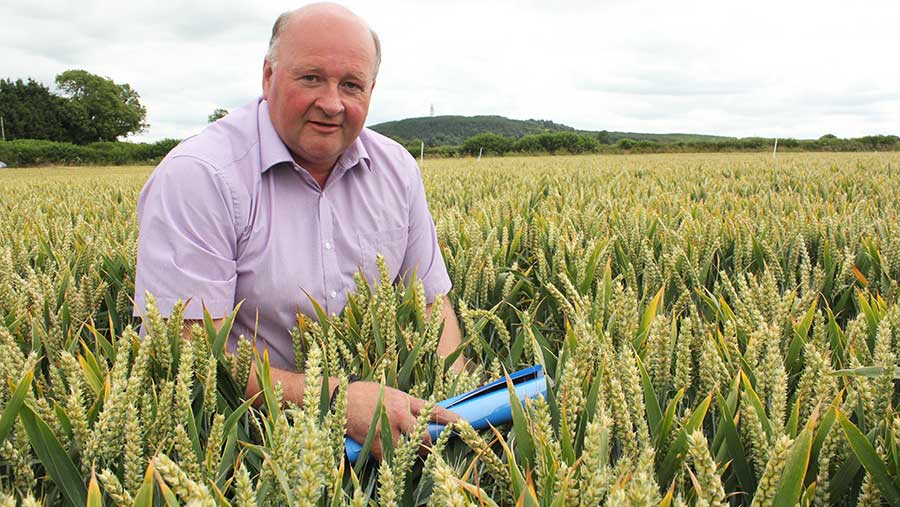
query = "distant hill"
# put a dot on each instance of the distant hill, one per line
(453, 130)
(660, 138)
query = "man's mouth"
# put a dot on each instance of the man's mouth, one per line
(324, 126)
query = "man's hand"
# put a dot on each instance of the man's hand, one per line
(402, 410)
(362, 397)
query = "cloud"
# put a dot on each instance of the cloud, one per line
(795, 69)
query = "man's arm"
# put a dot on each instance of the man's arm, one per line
(451, 337)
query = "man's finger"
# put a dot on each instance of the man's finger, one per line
(376, 448)
(425, 447)
(407, 425)
(415, 405)
(441, 415)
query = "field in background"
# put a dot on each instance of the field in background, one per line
(718, 328)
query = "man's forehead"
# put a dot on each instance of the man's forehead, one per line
(333, 24)
(326, 39)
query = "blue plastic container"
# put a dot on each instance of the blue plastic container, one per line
(489, 405)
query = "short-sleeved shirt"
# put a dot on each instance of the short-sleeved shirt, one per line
(228, 216)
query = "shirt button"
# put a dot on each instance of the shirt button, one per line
(333, 294)
(327, 245)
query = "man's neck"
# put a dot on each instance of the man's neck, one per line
(321, 178)
(320, 173)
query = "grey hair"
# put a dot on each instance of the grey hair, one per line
(282, 21)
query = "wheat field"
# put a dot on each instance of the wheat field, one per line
(717, 330)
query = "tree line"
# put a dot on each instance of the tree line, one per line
(491, 144)
(88, 108)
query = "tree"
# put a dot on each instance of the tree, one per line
(102, 109)
(218, 113)
(31, 111)
(489, 143)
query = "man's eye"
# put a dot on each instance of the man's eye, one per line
(353, 86)
(310, 78)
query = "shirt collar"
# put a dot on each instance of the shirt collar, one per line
(273, 151)
(354, 155)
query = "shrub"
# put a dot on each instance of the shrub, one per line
(34, 152)
(489, 143)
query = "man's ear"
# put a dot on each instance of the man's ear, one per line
(268, 70)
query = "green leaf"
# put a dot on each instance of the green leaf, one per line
(646, 319)
(64, 422)
(524, 441)
(478, 493)
(678, 450)
(517, 479)
(337, 499)
(606, 288)
(865, 371)
(801, 331)
(403, 380)
(221, 335)
(793, 419)
(236, 415)
(387, 438)
(565, 441)
(167, 495)
(873, 464)
(15, 403)
(591, 265)
(376, 332)
(56, 461)
(324, 392)
(843, 480)
(228, 458)
(92, 373)
(590, 409)
(194, 435)
(668, 420)
(144, 495)
(264, 379)
(452, 357)
(94, 497)
(757, 405)
(790, 486)
(282, 479)
(739, 462)
(654, 413)
(324, 321)
(370, 435)
(824, 427)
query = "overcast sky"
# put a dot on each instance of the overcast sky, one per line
(764, 68)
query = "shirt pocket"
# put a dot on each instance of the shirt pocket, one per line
(391, 243)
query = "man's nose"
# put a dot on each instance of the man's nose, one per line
(330, 101)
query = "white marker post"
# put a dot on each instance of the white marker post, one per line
(479, 154)
(2, 128)
(774, 149)
(422, 155)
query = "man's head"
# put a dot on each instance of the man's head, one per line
(318, 78)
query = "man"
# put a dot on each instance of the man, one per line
(290, 195)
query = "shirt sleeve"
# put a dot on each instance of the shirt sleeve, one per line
(187, 240)
(423, 254)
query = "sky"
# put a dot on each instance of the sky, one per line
(797, 69)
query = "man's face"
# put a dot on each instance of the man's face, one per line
(319, 88)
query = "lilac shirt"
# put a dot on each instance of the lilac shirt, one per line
(228, 216)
